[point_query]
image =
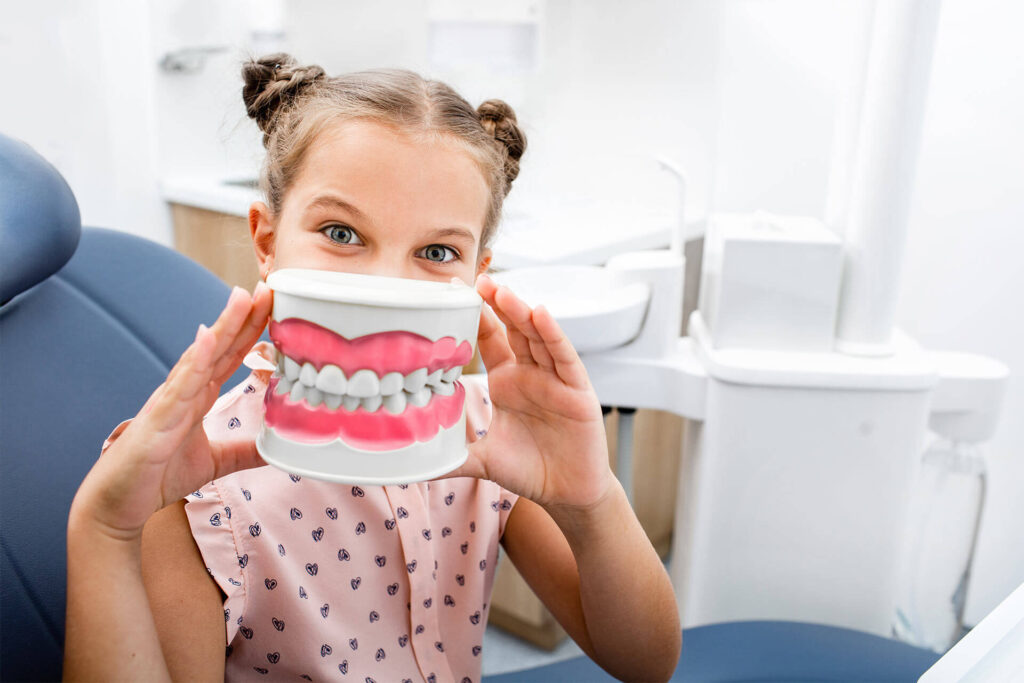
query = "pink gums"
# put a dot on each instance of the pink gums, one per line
(395, 351)
(383, 352)
(376, 431)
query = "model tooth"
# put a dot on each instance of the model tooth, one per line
(415, 380)
(331, 380)
(308, 375)
(434, 378)
(452, 374)
(284, 385)
(291, 369)
(391, 383)
(371, 403)
(445, 388)
(395, 403)
(350, 403)
(279, 361)
(298, 391)
(314, 397)
(419, 398)
(363, 384)
(332, 401)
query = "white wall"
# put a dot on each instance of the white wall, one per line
(962, 282)
(78, 87)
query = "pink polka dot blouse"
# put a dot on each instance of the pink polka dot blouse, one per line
(330, 581)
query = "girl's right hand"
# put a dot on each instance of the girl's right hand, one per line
(164, 453)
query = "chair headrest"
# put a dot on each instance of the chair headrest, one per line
(39, 221)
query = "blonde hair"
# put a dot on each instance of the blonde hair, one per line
(293, 104)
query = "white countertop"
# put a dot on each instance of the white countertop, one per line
(213, 193)
(566, 231)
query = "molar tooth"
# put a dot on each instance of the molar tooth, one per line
(371, 403)
(395, 403)
(291, 369)
(419, 398)
(434, 378)
(391, 383)
(363, 384)
(284, 385)
(415, 380)
(298, 391)
(331, 380)
(350, 402)
(314, 397)
(308, 375)
(444, 388)
(332, 401)
(452, 374)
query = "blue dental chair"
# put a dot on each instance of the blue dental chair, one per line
(91, 322)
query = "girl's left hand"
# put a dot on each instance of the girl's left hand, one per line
(546, 440)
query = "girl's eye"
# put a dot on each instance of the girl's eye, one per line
(438, 253)
(342, 234)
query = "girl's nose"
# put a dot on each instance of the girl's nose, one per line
(391, 267)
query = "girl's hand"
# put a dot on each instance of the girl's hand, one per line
(164, 454)
(546, 440)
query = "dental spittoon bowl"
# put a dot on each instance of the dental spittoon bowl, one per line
(366, 388)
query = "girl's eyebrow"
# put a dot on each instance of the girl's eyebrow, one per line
(330, 201)
(452, 232)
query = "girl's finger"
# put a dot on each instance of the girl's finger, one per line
(491, 340)
(475, 465)
(519, 313)
(519, 343)
(232, 456)
(567, 362)
(227, 326)
(262, 300)
(232, 311)
(189, 377)
(153, 398)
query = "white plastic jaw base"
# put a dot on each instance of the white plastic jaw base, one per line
(338, 462)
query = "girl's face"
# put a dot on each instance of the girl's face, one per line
(370, 200)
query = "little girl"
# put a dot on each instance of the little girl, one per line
(190, 559)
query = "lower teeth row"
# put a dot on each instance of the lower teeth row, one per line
(394, 403)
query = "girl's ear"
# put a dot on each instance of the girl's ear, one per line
(484, 262)
(262, 230)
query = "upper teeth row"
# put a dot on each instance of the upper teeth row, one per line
(364, 387)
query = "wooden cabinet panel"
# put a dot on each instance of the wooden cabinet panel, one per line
(219, 242)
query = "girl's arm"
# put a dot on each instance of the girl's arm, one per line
(603, 581)
(546, 442)
(161, 456)
(142, 614)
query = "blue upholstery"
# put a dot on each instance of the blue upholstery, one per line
(39, 222)
(765, 651)
(81, 351)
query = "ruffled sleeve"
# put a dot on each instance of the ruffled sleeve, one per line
(478, 419)
(237, 415)
(209, 516)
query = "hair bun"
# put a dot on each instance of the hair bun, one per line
(271, 83)
(498, 119)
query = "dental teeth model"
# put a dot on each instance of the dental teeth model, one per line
(366, 389)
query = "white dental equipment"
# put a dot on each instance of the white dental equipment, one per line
(807, 408)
